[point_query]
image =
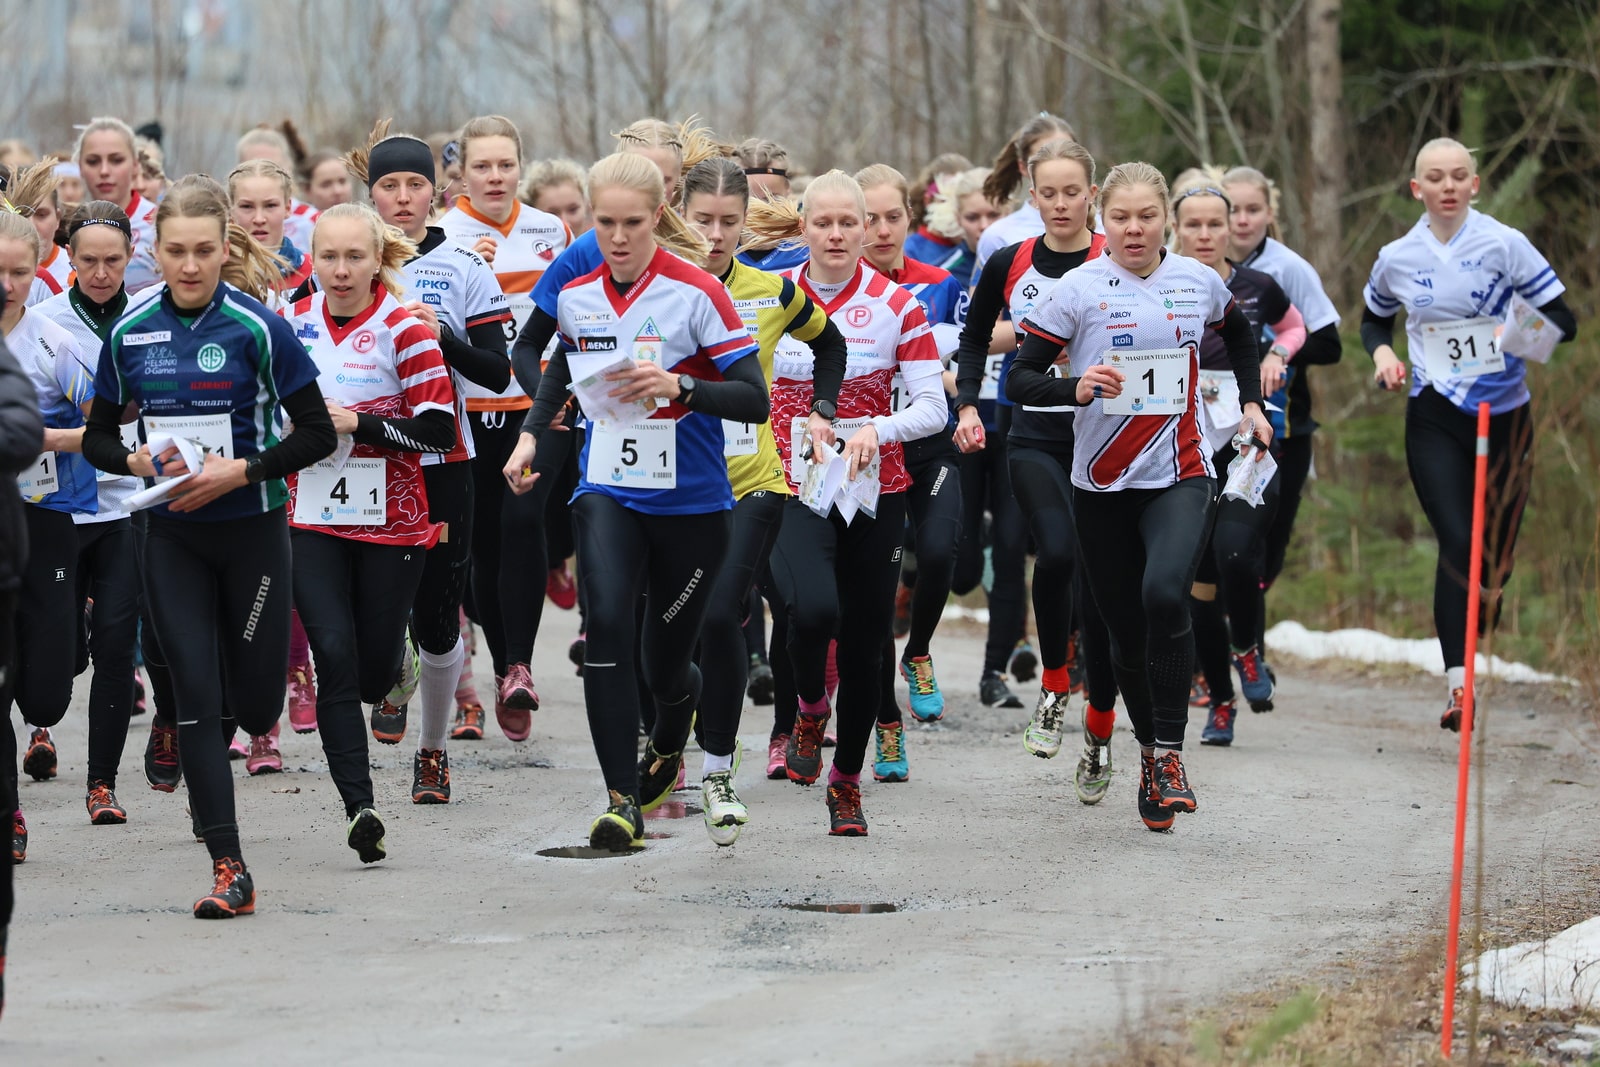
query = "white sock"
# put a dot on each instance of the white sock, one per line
(436, 693)
(1455, 678)
(713, 764)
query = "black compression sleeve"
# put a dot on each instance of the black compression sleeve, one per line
(552, 393)
(529, 349)
(1243, 354)
(480, 358)
(313, 437)
(1558, 312)
(1030, 382)
(988, 300)
(1376, 331)
(741, 396)
(829, 357)
(1322, 347)
(431, 431)
(102, 437)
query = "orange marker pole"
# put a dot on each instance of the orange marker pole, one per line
(1480, 487)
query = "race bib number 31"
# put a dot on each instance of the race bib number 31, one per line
(1464, 348)
(1156, 383)
(353, 495)
(637, 455)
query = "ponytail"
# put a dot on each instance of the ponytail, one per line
(1006, 174)
(629, 171)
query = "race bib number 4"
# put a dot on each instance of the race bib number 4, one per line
(1156, 383)
(213, 433)
(39, 480)
(356, 494)
(634, 455)
(1463, 348)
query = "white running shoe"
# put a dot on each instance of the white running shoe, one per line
(725, 813)
(1043, 735)
(1093, 776)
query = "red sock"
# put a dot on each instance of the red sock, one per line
(1056, 679)
(1099, 722)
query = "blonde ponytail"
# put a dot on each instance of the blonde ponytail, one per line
(391, 248)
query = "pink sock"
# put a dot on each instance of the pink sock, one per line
(835, 776)
(819, 710)
(299, 646)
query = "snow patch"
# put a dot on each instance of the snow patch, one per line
(1562, 972)
(1370, 646)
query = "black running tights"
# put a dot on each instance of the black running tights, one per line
(108, 572)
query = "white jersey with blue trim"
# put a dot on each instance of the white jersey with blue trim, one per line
(1473, 275)
(1021, 224)
(1297, 278)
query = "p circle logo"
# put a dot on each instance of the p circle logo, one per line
(211, 358)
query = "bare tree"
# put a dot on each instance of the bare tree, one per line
(1326, 121)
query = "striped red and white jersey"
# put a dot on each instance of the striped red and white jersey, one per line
(297, 227)
(383, 362)
(1102, 309)
(525, 246)
(142, 270)
(886, 333)
(55, 270)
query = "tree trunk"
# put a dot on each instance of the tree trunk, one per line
(1324, 237)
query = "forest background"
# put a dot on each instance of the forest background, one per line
(1330, 98)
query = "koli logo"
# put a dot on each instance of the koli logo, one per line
(1122, 340)
(211, 358)
(1030, 290)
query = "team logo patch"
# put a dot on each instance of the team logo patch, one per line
(211, 358)
(858, 316)
(1030, 290)
(597, 344)
(307, 331)
(647, 342)
(1122, 340)
(364, 341)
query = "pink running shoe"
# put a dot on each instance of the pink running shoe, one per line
(240, 748)
(776, 759)
(560, 587)
(303, 699)
(515, 723)
(264, 757)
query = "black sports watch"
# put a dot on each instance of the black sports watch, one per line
(254, 470)
(686, 391)
(826, 408)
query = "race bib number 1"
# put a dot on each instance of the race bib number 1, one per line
(1464, 348)
(740, 438)
(356, 494)
(39, 480)
(1156, 383)
(213, 433)
(636, 455)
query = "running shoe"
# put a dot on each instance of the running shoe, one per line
(388, 722)
(516, 689)
(1155, 816)
(405, 686)
(1219, 725)
(1024, 662)
(40, 762)
(233, 892)
(161, 767)
(303, 699)
(365, 835)
(725, 813)
(1043, 735)
(1453, 712)
(238, 745)
(1172, 784)
(993, 691)
(619, 828)
(777, 757)
(515, 723)
(264, 756)
(658, 776)
(927, 703)
(1093, 776)
(902, 610)
(760, 687)
(561, 588)
(802, 757)
(430, 777)
(1254, 680)
(889, 761)
(577, 650)
(103, 807)
(19, 837)
(1199, 694)
(845, 818)
(469, 722)
(138, 692)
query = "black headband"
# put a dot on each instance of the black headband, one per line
(399, 155)
(78, 224)
(779, 171)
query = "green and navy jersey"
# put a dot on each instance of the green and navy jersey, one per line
(216, 376)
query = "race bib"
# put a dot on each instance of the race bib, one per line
(634, 455)
(39, 480)
(130, 440)
(1220, 411)
(213, 433)
(990, 389)
(740, 438)
(356, 494)
(899, 396)
(1464, 348)
(521, 307)
(1156, 383)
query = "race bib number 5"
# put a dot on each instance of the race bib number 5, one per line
(1463, 348)
(1156, 383)
(634, 455)
(356, 494)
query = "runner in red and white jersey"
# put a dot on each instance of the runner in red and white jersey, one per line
(835, 575)
(1143, 486)
(109, 163)
(359, 519)
(32, 191)
(263, 142)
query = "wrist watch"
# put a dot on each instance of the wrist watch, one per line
(254, 471)
(1279, 351)
(827, 409)
(686, 391)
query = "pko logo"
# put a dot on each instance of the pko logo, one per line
(432, 283)
(1122, 340)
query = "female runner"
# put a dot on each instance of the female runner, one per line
(109, 162)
